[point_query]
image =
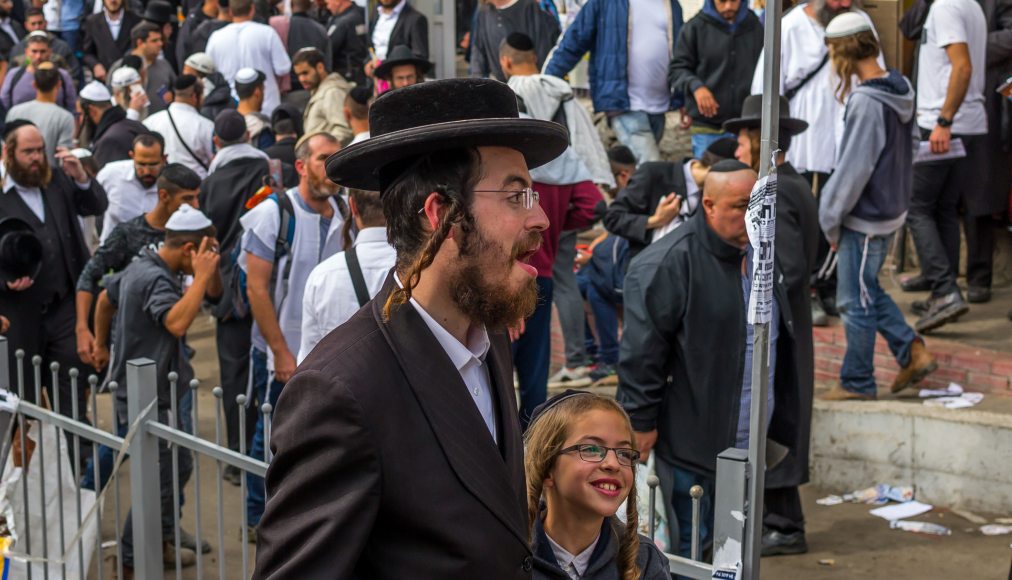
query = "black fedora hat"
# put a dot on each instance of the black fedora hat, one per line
(438, 115)
(752, 112)
(159, 12)
(20, 250)
(397, 56)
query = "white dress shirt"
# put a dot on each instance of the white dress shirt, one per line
(469, 361)
(115, 25)
(251, 44)
(5, 26)
(197, 130)
(688, 207)
(384, 28)
(128, 198)
(359, 137)
(329, 299)
(574, 566)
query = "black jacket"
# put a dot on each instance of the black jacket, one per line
(384, 468)
(348, 43)
(114, 136)
(627, 215)
(184, 40)
(411, 29)
(602, 566)
(708, 54)
(283, 150)
(98, 45)
(682, 355)
(220, 97)
(6, 42)
(797, 242)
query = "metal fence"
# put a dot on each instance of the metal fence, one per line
(149, 432)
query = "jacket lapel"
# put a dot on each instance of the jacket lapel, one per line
(453, 416)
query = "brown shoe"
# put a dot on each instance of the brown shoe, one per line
(921, 365)
(186, 557)
(838, 393)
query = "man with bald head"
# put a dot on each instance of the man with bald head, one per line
(685, 359)
(49, 199)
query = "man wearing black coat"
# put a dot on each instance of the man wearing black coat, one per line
(41, 310)
(683, 372)
(11, 32)
(397, 447)
(112, 134)
(348, 44)
(649, 202)
(714, 59)
(200, 14)
(100, 48)
(410, 29)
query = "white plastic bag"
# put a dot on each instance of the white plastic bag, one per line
(54, 447)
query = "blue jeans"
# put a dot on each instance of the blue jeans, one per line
(640, 132)
(256, 496)
(681, 500)
(700, 141)
(876, 313)
(107, 456)
(605, 320)
(532, 353)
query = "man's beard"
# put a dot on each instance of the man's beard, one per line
(37, 175)
(825, 14)
(4, 13)
(147, 180)
(321, 187)
(491, 302)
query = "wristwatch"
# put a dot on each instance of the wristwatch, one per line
(943, 122)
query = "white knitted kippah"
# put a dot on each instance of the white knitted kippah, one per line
(187, 219)
(847, 24)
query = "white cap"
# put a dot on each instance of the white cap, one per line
(248, 75)
(80, 153)
(187, 219)
(847, 24)
(200, 62)
(124, 76)
(95, 92)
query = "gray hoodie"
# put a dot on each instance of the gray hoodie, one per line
(870, 190)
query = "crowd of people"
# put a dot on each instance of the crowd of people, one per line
(273, 162)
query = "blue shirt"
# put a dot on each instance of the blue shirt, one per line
(741, 437)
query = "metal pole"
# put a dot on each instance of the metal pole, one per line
(761, 347)
(145, 482)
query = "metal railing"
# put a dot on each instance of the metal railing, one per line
(149, 435)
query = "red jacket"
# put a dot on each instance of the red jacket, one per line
(568, 207)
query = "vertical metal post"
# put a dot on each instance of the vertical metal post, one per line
(194, 385)
(97, 472)
(74, 408)
(173, 379)
(219, 393)
(145, 483)
(652, 482)
(267, 410)
(22, 429)
(113, 387)
(761, 346)
(696, 493)
(5, 377)
(729, 507)
(41, 450)
(244, 533)
(54, 368)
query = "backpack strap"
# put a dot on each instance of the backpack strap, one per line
(357, 279)
(14, 82)
(283, 243)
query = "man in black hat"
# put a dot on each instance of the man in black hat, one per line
(402, 68)
(162, 14)
(50, 200)
(796, 246)
(685, 358)
(397, 440)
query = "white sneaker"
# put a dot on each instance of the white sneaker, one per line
(570, 378)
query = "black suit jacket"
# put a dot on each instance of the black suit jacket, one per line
(383, 466)
(627, 215)
(411, 29)
(98, 45)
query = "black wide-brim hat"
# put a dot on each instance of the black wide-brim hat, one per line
(752, 112)
(20, 250)
(158, 12)
(398, 56)
(438, 115)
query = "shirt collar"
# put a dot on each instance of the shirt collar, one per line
(690, 182)
(374, 235)
(460, 354)
(580, 561)
(396, 12)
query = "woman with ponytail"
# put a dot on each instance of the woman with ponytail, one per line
(581, 467)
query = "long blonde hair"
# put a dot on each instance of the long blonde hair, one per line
(845, 53)
(545, 438)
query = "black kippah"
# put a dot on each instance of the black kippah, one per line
(361, 94)
(14, 125)
(728, 166)
(520, 41)
(723, 148)
(184, 82)
(133, 61)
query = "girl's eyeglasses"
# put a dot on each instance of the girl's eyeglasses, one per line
(593, 453)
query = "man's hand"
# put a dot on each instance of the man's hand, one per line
(100, 357)
(85, 346)
(99, 72)
(205, 260)
(21, 284)
(583, 257)
(370, 66)
(686, 120)
(284, 365)
(940, 138)
(516, 330)
(666, 211)
(5, 325)
(138, 101)
(645, 442)
(71, 165)
(705, 102)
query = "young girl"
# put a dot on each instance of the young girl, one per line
(580, 465)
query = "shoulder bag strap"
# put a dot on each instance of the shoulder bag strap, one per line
(183, 141)
(790, 93)
(357, 279)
